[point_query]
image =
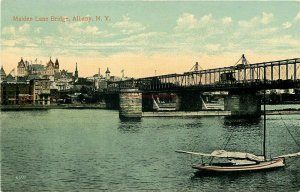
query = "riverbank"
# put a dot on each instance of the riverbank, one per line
(285, 111)
(47, 107)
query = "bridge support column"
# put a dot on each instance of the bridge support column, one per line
(130, 104)
(243, 104)
(188, 101)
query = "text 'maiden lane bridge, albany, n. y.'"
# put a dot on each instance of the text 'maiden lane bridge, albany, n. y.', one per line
(242, 81)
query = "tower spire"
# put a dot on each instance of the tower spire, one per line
(76, 72)
(107, 74)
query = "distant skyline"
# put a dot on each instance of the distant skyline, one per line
(144, 37)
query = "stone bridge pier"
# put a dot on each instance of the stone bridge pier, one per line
(130, 104)
(243, 103)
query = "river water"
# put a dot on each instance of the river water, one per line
(92, 150)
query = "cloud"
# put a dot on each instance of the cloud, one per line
(24, 28)
(297, 16)
(206, 19)
(193, 33)
(190, 29)
(74, 27)
(286, 25)
(284, 43)
(8, 42)
(91, 29)
(18, 36)
(264, 31)
(142, 37)
(127, 26)
(226, 20)
(245, 24)
(266, 18)
(187, 21)
(248, 24)
(18, 41)
(9, 30)
(38, 30)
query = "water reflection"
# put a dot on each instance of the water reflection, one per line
(130, 125)
(194, 124)
(223, 175)
(232, 176)
(241, 122)
(92, 150)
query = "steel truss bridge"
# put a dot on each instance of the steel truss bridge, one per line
(281, 74)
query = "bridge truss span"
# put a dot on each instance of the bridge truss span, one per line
(281, 74)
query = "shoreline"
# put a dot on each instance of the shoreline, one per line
(288, 111)
(47, 107)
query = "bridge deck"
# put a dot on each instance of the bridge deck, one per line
(281, 74)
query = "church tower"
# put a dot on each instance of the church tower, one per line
(107, 77)
(56, 66)
(76, 73)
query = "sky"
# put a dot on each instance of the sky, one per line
(147, 38)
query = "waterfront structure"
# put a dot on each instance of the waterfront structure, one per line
(130, 104)
(242, 82)
(36, 92)
(16, 93)
(41, 91)
(56, 79)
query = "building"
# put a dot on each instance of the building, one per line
(41, 91)
(2, 74)
(24, 68)
(16, 93)
(34, 69)
(35, 92)
(49, 70)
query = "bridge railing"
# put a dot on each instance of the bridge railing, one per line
(276, 71)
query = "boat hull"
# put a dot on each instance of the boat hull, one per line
(266, 165)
